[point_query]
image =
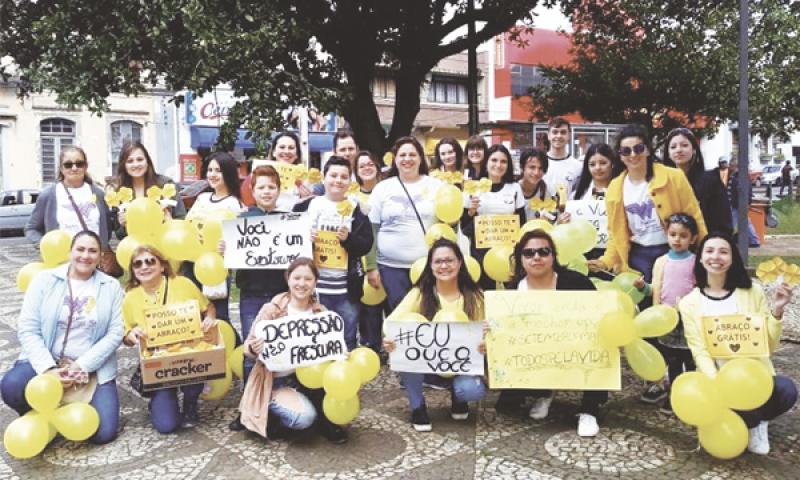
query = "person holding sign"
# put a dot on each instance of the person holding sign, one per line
(152, 284)
(70, 327)
(274, 401)
(341, 236)
(495, 216)
(286, 149)
(723, 289)
(444, 285)
(537, 268)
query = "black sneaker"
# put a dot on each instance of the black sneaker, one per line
(666, 407)
(654, 394)
(420, 420)
(236, 424)
(333, 433)
(458, 410)
(276, 431)
(509, 404)
(190, 416)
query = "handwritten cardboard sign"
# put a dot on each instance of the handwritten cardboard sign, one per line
(734, 336)
(549, 339)
(266, 242)
(303, 339)
(329, 252)
(429, 347)
(595, 212)
(491, 230)
(172, 323)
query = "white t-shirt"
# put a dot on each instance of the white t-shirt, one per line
(643, 221)
(401, 240)
(562, 172)
(87, 205)
(589, 193)
(323, 216)
(206, 204)
(84, 319)
(503, 202)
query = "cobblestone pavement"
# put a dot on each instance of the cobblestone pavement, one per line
(635, 440)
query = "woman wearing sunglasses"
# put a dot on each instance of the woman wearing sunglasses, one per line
(638, 203)
(74, 203)
(536, 268)
(152, 284)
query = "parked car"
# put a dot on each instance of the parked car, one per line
(188, 191)
(771, 175)
(16, 207)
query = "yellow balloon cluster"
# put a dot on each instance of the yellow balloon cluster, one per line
(28, 435)
(54, 249)
(448, 204)
(772, 270)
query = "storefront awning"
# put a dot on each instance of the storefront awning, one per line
(206, 137)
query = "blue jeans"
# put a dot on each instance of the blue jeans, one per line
(370, 325)
(349, 311)
(466, 388)
(294, 410)
(396, 282)
(783, 398)
(105, 399)
(165, 415)
(221, 305)
(248, 310)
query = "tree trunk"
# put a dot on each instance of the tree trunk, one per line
(407, 102)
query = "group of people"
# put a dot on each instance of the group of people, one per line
(668, 219)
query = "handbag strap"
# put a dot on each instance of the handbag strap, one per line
(422, 225)
(75, 206)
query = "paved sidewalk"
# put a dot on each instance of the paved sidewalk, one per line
(635, 441)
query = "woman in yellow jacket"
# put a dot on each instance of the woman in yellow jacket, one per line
(638, 203)
(724, 288)
(445, 284)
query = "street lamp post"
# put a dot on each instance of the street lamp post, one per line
(472, 74)
(744, 132)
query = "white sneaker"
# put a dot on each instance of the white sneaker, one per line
(540, 408)
(587, 425)
(759, 439)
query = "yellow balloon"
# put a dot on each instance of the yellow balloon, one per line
(26, 436)
(744, 383)
(311, 376)
(341, 380)
(497, 263)
(616, 329)
(180, 241)
(437, 231)
(228, 336)
(210, 269)
(579, 265)
(726, 438)
(449, 204)
(54, 247)
(142, 215)
(625, 281)
(584, 233)
(125, 250)
(51, 432)
(218, 388)
(450, 316)
(566, 244)
(473, 267)
(76, 421)
(372, 296)
(212, 234)
(656, 321)
(27, 273)
(416, 269)
(695, 399)
(44, 392)
(367, 362)
(236, 361)
(624, 302)
(645, 360)
(341, 412)
(535, 224)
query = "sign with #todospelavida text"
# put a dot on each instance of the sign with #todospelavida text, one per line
(595, 212)
(491, 230)
(735, 336)
(266, 242)
(300, 340)
(436, 347)
(549, 339)
(176, 322)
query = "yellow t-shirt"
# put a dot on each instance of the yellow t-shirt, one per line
(180, 289)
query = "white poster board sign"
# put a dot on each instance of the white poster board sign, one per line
(301, 340)
(266, 242)
(436, 347)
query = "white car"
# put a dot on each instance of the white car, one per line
(16, 207)
(771, 175)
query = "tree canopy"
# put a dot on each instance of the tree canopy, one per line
(275, 54)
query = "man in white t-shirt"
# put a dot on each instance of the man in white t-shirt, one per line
(563, 170)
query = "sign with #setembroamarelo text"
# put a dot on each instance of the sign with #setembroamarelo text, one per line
(266, 242)
(549, 339)
(176, 322)
(300, 340)
(736, 336)
(436, 347)
(491, 230)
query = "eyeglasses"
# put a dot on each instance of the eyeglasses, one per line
(444, 262)
(144, 261)
(78, 164)
(543, 252)
(628, 151)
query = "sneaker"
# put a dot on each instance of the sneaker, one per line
(508, 407)
(420, 420)
(759, 439)
(666, 407)
(334, 433)
(540, 408)
(190, 416)
(587, 425)
(458, 410)
(236, 425)
(654, 394)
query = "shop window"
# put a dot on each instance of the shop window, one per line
(54, 134)
(448, 90)
(383, 87)
(524, 77)
(122, 132)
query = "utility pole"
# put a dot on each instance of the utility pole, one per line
(744, 132)
(472, 74)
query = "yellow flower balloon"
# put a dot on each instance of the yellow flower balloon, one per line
(169, 190)
(154, 193)
(767, 271)
(112, 199)
(458, 177)
(791, 274)
(484, 185)
(471, 187)
(344, 208)
(125, 195)
(537, 203)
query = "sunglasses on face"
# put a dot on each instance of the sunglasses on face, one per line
(543, 252)
(78, 164)
(636, 150)
(144, 261)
